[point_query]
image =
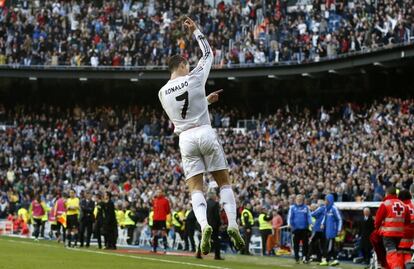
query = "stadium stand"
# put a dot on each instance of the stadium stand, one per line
(354, 151)
(145, 33)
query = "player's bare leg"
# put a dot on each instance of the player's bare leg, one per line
(229, 204)
(195, 185)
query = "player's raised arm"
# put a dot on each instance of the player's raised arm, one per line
(204, 64)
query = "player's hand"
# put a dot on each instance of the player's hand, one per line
(214, 96)
(190, 24)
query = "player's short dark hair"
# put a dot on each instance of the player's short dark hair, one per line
(175, 61)
(392, 190)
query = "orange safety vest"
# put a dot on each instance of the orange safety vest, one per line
(393, 225)
(408, 240)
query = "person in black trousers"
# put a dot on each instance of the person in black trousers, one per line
(110, 225)
(213, 218)
(247, 221)
(190, 228)
(366, 228)
(99, 219)
(87, 207)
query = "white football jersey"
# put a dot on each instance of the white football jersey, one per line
(184, 98)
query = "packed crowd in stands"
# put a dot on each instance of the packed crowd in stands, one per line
(354, 151)
(145, 33)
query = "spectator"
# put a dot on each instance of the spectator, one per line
(148, 31)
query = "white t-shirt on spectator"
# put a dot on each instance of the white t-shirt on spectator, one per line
(259, 57)
(11, 176)
(74, 23)
(94, 61)
(126, 6)
(302, 28)
(56, 7)
(151, 8)
(315, 40)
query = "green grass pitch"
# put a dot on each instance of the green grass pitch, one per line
(18, 253)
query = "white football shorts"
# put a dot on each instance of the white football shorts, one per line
(201, 151)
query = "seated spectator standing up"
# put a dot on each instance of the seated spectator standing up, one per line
(332, 225)
(299, 221)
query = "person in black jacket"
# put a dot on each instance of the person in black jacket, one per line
(87, 207)
(109, 222)
(99, 219)
(213, 218)
(190, 228)
(366, 228)
(142, 213)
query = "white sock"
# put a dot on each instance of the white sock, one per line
(229, 204)
(200, 208)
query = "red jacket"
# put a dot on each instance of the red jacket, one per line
(161, 208)
(408, 240)
(391, 217)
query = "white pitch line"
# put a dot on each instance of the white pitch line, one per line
(123, 255)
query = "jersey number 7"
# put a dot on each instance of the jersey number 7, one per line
(183, 97)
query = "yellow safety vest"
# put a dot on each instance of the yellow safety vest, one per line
(187, 213)
(128, 220)
(181, 214)
(264, 224)
(251, 219)
(23, 214)
(120, 217)
(72, 202)
(151, 219)
(176, 219)
(46, 215)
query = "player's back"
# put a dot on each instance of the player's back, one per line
(184, 98)
(185, 103)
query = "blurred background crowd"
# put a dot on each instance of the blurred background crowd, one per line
(352, 150)
(146, 32)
